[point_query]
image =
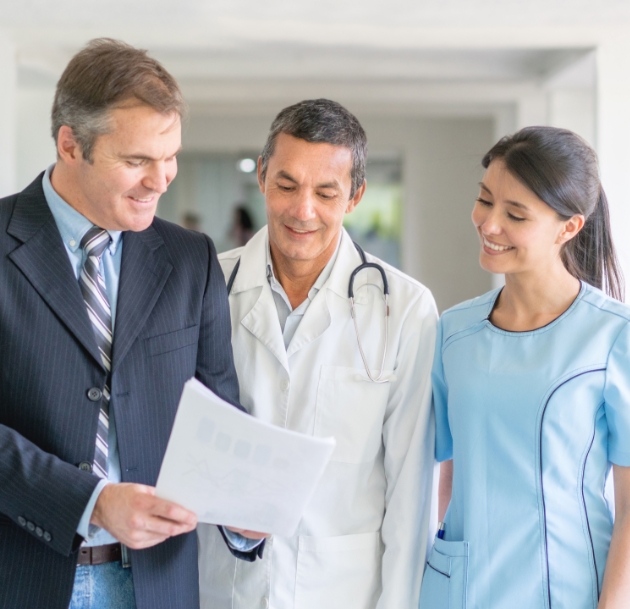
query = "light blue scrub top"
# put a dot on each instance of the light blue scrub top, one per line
(532, 421)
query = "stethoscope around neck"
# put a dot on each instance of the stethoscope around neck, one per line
(364, 265)
(369, 265)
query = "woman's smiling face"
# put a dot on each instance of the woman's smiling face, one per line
(518, 231)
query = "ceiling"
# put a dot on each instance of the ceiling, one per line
(254, 19)
(246, 56)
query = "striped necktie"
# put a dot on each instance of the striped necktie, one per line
(92, 283)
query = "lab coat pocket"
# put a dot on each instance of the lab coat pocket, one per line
(445, 576)
(351, 408)
(341, 572)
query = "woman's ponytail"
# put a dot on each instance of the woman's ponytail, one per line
(590, 255)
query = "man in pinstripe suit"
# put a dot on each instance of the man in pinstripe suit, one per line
(105, 312)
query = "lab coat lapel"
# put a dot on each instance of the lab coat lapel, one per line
(315, 322)
(43, 260)
(262, 319)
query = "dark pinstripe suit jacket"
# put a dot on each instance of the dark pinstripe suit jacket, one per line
(172, 323)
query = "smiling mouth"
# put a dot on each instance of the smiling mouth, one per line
(143, 200)
(299, 231)
(495, 246)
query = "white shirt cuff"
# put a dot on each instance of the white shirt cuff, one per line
(240, 543)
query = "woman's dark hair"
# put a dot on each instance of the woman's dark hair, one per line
(561, 169)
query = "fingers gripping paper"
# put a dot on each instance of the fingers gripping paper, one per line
(233, 469)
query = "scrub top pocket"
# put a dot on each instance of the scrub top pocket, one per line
(445, 576)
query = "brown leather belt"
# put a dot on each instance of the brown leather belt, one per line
(99, 555)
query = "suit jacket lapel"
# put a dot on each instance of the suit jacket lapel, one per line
(144, 269)
(43, 260)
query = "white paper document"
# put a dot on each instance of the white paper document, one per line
(233, 469)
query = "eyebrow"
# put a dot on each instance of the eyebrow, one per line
(283, 174)
(286, 176)
(514, 203)
(333, 184)
(144, 157)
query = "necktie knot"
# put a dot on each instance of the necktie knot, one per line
(95, 241)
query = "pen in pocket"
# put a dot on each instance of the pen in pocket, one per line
(440, 533)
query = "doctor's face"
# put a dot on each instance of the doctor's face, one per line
(307, 193)
(518, 231)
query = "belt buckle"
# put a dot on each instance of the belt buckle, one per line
(99, 555)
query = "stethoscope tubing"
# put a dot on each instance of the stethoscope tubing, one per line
(364, 265)
(369, 265)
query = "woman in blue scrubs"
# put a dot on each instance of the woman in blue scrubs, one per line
(532, 395)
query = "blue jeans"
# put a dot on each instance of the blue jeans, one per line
(107, 586)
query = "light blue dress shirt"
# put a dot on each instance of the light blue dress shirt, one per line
(73, 226)
(289, 317)
(532, 421)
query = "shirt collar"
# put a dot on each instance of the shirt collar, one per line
(319, 282)
(71, 224)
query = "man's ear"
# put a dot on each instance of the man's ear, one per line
(571, 228)
(358, 195)
(261, 182)
(68, 149)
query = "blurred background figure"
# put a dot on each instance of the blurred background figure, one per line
(191, 221)
(243, 227)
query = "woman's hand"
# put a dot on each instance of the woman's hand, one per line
(616, 589)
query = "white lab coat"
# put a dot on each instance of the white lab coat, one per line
(362, 540)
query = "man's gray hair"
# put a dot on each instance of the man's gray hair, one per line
(321, 121)
(108, 74)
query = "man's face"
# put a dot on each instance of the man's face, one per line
(307, 192)
(131, 167)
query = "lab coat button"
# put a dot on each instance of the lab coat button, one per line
(284, 384)
(265, 602)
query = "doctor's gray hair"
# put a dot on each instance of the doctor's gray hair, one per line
(561, 169)
(104, 75)
(321, 121)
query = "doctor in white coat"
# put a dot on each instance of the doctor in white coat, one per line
(362, 540)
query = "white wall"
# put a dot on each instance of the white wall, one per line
(35, 146)
(571, 98)
(613, 139)
(442, 167)
(8, 105)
